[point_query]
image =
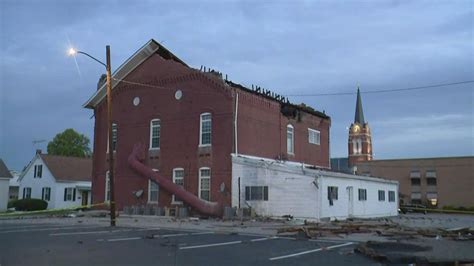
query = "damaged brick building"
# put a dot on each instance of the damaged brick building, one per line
(192, 120)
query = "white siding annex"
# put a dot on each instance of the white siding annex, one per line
(290, 188)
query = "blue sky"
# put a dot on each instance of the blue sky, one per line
(291, 47)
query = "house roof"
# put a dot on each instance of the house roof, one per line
(359, 114)
(65, 168)
(4, 170)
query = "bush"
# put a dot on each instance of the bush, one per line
(11, 203)
(30, 205)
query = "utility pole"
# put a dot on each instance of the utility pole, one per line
(110, 138)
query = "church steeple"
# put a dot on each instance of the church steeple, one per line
(360, 139)
(359, 114)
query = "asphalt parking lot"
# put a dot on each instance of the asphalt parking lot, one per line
(59, 244)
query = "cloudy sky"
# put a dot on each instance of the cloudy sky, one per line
(291, 47)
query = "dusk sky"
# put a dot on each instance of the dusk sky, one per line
(290, 47)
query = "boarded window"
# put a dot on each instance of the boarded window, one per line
(391, 196)
(362, 194)
(415, 182)
(256, 193)
(381, 195)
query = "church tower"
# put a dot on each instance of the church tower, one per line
(360, 140)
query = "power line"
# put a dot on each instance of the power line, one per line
(387, 90)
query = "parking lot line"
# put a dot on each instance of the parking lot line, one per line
(311, 251)
(213, 245)
(90, 232)
(124, 239)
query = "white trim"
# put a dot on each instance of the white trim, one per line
(292, 152)
(173, 197)
(317, 133)
(205, 177)
(200, 130)
(150, 182)
(151, 133)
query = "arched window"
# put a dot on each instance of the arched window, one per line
(155, 132)
(290, 139)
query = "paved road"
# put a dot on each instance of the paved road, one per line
(50, 244)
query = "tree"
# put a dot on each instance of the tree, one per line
(69, 143)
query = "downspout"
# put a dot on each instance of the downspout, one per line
(235, 123)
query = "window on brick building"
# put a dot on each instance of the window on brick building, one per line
(431, 181)
(415, 181)
(155, 134)
(178, 179)
(314, 136)
(205, 183)
(290, 139)
(114, 138)
(205, 129)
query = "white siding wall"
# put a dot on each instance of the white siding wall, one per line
(37, 184)
(288, 193)
(372, 207)
(59, 194)
(4, 186)
(57, 187)
(292, 190)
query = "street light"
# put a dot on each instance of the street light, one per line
(73, 51)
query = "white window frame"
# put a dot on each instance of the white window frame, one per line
(107, 187)
(381, 193)
(150, 183)
(175, 178)
(27, 192)
(204, 177)
(362, 196)
(290, 146)
(200, 129)
(151, 133)
(114, 131)
(46, 191)
(316, 136)
(38, 172)
(69, 194)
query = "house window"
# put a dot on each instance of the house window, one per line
(178, 179)
(205, 183)
(362, 194)
(69, 194)
(314, 136)
(107, 186)
(431, 181)
(332, 195)
(27, 193)
(38, 171)
(391, 196)
(46, 194)
(155, 134)
(256, 193)
(381, 195)
(153, 190)
(290, 139)
(415, 181)
(205, 130)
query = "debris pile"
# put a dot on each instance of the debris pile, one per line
(384, 227)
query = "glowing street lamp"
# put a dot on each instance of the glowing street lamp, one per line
(73, 52)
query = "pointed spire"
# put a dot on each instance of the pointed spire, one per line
(359, 114)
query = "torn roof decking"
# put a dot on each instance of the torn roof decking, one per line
(152, 47)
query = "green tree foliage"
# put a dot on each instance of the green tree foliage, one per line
(69, 143)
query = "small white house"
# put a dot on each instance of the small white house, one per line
(276, 188)
(5, 177)
(61, 181)
(14, 185)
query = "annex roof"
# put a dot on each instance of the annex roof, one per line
(65, 168)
